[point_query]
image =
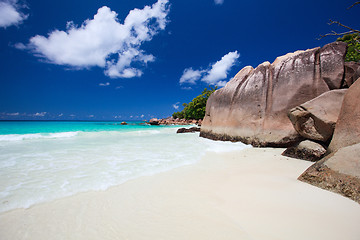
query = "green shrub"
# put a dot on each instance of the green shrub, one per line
(196, 108)
(353, 52)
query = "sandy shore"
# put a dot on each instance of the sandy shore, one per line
(252, 194)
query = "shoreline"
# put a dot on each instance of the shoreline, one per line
(249, 194)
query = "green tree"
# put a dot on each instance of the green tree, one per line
(353, 52)
(196, 108)
(180, 115)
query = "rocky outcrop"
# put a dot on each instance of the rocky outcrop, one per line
(316, 118)
(253, 106)
(347, 130)
(352, 72)
(188, 130)
(154, 121)
(324, 177)
(174, 121)
(177, 121)
(306, 150)
(339, 171)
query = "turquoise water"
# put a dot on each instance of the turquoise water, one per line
(27, 127)
(43, 161)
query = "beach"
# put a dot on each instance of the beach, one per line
(249, 194)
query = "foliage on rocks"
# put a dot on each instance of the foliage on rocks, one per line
(353, 52)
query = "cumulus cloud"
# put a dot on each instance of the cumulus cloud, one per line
(10, 13)
(105, 42)
(219, 2)
(191, 76)
(215, 74)
(220, 69)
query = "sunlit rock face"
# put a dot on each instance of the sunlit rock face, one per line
(253, 106)
(339, 171)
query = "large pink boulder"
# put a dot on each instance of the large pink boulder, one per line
(316, 118)
(253, 106)
(339, 171)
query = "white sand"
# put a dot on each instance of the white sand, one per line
(252, 194)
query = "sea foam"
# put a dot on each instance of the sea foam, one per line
(20, 137)
(36, 168)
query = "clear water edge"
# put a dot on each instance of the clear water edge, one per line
(40, 164)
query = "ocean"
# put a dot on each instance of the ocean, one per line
(42, 161)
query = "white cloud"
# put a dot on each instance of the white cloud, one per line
(13, 114)
(219, 2)
(41, 114)
(105, 42)
(215, 74)
(10, 13)
(186, 88)
(190, 76)
(176, 105)
(220, 69)
(142, 116)
(104, 84)
(91, 116)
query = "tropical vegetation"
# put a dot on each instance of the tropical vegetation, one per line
(196, 108)
(353, 41)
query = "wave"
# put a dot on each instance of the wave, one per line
(20, 137)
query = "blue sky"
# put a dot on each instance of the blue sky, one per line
(137, 59)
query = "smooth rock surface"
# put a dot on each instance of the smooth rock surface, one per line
(306, 150)
(339, 171)
(316, 118)
(253, 106)
(347, 129)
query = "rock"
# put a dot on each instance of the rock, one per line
(347, 129)
(339, 171)
(189, 130)
(253, 106)
(352, 73)
(306, 150)
(154, 121)
(124, 123)
(332, 61)
(316, 118)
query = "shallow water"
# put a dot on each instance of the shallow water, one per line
(43, 161)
